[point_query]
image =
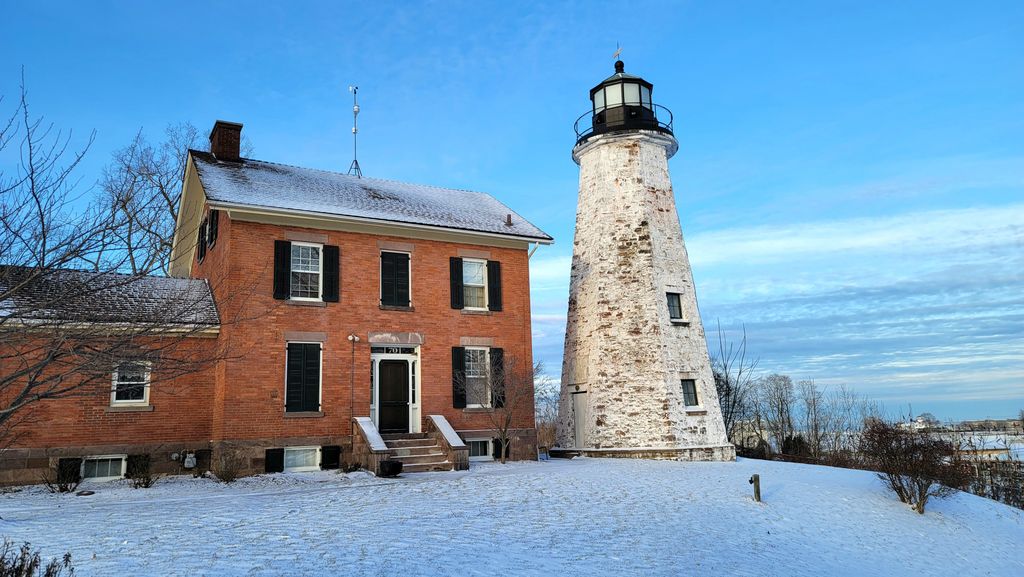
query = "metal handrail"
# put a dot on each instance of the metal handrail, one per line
(656, 108)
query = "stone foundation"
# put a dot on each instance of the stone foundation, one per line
(720, 453)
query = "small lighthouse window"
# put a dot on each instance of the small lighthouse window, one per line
(690, 392)
(632, 94)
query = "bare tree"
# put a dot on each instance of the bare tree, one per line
(545, 406)
(816, 417)
(734, 381)
(510, 390)
(776, 400)
(70, 292)
(141, 189)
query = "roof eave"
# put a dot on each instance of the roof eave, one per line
(260, 209)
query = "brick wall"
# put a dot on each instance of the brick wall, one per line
(238, 404)
(252, 386)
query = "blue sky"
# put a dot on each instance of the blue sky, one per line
(850, 177)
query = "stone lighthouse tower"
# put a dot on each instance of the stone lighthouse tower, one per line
(636, 377)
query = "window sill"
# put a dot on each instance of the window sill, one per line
(409, 309)
(303, 414)
(696, 411)
(299, 303)
(477, 410)
(680, 322)
(483, 312)
(129, 409)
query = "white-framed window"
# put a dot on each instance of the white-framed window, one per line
(474, 284)
(307, 271)
(130, 384)
(478, 390)
(690, 393)
(480, 449)
(297, 459)
(675, 306)
(104, 467)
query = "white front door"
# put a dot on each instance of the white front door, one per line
(395, 388)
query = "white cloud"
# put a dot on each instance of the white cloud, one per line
(930, 231)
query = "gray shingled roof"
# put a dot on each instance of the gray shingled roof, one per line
(270, 185)
(80, 296)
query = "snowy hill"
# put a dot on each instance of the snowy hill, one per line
(579, 517)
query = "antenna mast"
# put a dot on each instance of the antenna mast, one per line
(354, 168)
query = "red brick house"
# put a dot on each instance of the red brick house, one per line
(365, 318)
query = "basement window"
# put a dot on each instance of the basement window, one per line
(479, 449)
(298, 459)
(104, 467)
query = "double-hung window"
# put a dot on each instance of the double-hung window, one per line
(394, 279)
(302, 378)
(475, 284)
(306, 271)
(690, 393)
(130, 384)
(478, 393)
(478, 377)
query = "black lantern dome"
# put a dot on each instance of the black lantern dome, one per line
(622, 102)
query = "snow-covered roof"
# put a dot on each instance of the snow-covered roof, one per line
(269, 185)
(89, 297)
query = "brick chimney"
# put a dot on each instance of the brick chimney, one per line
(225, 140)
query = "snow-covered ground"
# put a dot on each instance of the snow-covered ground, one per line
(579, 517)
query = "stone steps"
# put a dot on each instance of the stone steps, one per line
(424, 467)
(407, 460)
(418, 452)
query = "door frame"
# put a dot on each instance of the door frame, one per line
(415, 372)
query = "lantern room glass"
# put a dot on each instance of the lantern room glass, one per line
(645, 96)
(632, 92)
(599, 101)
(613, 95)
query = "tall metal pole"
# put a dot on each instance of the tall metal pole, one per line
(354, 168)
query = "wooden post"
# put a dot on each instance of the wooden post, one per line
(755, 480)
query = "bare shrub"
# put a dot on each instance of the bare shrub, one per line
(139, 472)
(65, 478)
(23, 562)
(916, 465)
(228, 464)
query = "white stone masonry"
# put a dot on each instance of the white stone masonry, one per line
(623, 353)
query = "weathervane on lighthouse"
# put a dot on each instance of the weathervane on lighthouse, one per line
(354, 168)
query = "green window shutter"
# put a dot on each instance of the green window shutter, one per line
(493, 285)
(282, 269)
(332, 273)
(459, 377)
(455, 267)
(498, 378)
